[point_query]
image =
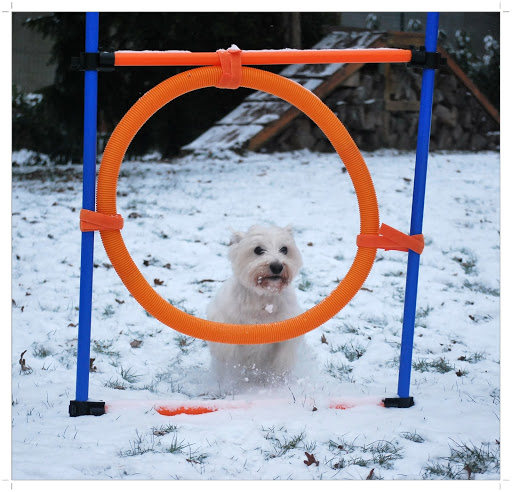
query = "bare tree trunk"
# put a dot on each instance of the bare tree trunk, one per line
(292, 30)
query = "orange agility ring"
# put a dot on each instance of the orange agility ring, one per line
(130, 275)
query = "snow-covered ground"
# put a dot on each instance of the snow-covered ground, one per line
(177, 219)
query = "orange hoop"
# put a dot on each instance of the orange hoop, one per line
(135, 282)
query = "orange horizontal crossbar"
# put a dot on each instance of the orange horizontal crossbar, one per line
(263, 57)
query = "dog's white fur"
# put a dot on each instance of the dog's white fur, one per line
(258, 293)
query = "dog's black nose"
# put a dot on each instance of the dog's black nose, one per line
(276, 268)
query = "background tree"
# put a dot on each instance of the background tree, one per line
(54, 125)
(484, 70)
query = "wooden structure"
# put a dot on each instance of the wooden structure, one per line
(378, 103)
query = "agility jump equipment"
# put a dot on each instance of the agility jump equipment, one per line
(225, 69)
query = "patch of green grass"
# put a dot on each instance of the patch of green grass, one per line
(140, 445)
(196, 458)
(175, 446)
(439, 470)
(359, 461)
(181, 306)
(147, 443)
(394, 362)
(376, 321)
(350, 351)
(104, 347)
(424, 312)
(436, 365)
(347, 328)
(412, 436)
(464, 462)
(41, 351)
(183, 342)
(475, 357)
(305, 284)
(169, 377)
(282, 444)
(163, 430)
(381, 453)
(119, 385)
(495, 395)
(476, 287)
(421, 314)
(128, 375)
(398, 294)
(467, 262)
(109, 311)
(151, 387)
(339, 371)
(342, 445)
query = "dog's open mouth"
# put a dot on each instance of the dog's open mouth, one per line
(273, 283)
(271, 278)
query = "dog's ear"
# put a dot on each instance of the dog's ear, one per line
(236, 237)
(289, 229)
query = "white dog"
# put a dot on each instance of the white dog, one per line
(265, 260)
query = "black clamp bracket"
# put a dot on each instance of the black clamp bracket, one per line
(400, 402)
(426, 59)
(99, 62)
(79, 408)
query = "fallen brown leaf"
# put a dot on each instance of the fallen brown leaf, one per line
(23, 363)
(311, 459)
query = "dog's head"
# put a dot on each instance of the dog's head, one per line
(265, 259)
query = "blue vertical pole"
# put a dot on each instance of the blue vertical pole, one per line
(88, 202)
(418, 202)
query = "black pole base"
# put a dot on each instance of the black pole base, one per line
(406, 402)
(79, 408)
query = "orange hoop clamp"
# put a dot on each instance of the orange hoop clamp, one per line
(135, 282)
(231, 64)
(94, 221)
(391, 239)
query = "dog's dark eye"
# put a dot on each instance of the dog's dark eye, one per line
(284, 250)
(259, 250)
